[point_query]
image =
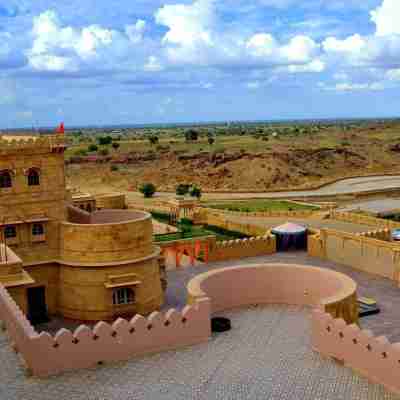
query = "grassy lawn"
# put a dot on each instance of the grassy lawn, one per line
(260, 206)
(192, 231)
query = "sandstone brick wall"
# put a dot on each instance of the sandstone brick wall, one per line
(111, 201)
(357, 251)
(364, 220)
(241, 248)
(107, 242)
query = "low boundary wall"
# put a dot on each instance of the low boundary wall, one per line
(241, 248)
(364, 220)
(240, 286)
(359, 251)
(45, 354)
(373, 357)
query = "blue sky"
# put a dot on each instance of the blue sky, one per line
(151, 61)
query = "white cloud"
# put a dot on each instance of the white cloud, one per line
(353, 87)
(135, 32)
(196, 35)
(382, 49)
(313, 66)
(393, 74)
(262, 45)
(387, 17)
(188, 24)
(300, 49)
(352, 44)
(64, 48)
(153, 64)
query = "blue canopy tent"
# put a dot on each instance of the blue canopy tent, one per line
(290, 236)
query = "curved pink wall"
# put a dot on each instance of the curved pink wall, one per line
(272, 283)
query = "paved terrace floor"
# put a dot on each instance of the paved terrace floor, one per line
(383, 290)
(267, 355)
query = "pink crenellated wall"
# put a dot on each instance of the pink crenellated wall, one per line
(46, 355)
(371, 356)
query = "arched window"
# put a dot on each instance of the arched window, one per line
(5, 179)
(123, 296)
(10, 232)
(37, 229)
(33, 177)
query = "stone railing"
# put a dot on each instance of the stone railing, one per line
(45, 354)
(241, 248)
(234, 287)
(363, 220)
(373, 357)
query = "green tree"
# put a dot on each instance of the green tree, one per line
(153, 139)
(147, 189)
(195, 191)
(93, 147)
(191, 135)
(104, 140)
(182, 189)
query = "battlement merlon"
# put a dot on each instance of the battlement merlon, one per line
(46, 144)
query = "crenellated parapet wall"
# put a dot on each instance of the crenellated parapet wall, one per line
(241, 248)
(371, 356)
(45, 354)
(379, 234)
(363, 219)
(366, 252)
(35, 144)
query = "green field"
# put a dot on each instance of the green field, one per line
(260, 206)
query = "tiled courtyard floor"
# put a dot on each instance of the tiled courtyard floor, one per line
(383, 290)
(266, 356)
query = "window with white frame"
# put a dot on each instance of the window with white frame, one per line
(123, 296)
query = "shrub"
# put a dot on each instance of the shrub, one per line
(93, 147)
(104, 152)
(195, 191)
(211, 140)
(81, 152)
(191, 135)
(114, 168)
(153, 139)
(116, 145)
(182, 189)
(147, 189)
(104, 140)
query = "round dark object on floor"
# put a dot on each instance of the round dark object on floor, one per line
(219, 324)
